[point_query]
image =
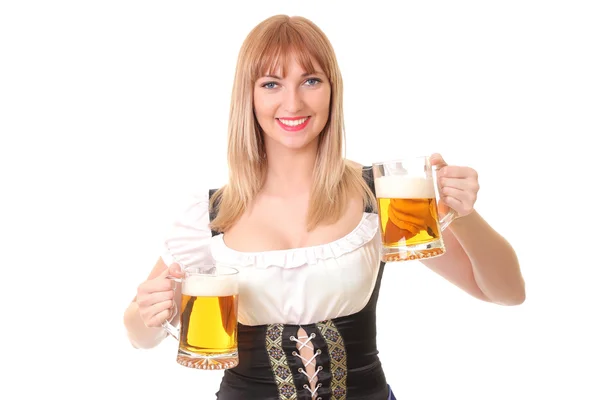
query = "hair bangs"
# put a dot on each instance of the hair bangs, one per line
(280, 46)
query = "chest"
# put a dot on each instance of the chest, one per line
(281, 224)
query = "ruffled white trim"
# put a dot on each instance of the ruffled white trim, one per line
(364, 232)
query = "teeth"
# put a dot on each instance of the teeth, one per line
(293, 122)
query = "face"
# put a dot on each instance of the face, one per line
(292, 110)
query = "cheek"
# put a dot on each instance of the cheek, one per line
(323, 101)
(321, 108)
(257, 105)
(263, 107)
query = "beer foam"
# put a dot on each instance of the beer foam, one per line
(404, 187)
(198, 285)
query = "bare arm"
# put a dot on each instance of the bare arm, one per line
(156, 297)
(480, 261)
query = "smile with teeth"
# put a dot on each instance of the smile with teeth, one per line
(293, 122)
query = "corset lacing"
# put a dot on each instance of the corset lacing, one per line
(308, 362)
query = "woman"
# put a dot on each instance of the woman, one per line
(299, 220)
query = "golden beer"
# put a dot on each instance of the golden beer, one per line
(418, 227)
(209, 324)
(408, 217)
(208, 319)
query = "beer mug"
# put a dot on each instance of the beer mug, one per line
(207, 332)
(408, 210)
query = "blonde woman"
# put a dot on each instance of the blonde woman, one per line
(300, 222)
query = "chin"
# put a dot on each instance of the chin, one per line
(297, 143)
(292, 141)
(292, 146)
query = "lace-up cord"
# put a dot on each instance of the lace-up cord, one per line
(313, 393)
(309, 361)
(304, 341)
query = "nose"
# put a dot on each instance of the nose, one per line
(293, 101)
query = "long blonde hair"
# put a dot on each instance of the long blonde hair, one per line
(335, 180)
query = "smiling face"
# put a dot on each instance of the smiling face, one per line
(292, 110)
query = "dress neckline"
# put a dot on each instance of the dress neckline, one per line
(363, 233)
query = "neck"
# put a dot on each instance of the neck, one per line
(290, 171)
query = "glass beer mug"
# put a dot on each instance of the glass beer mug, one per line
(408, 210)
(207, 332)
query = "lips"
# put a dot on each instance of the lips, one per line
(293, 124)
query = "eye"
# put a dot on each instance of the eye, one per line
(313, 81)
(269, 85)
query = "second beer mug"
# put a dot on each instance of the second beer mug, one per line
(408, 210)
(207, 333)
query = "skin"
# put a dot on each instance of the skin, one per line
(478, 259)
(291, 157)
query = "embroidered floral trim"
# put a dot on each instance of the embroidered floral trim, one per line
(281, 370)
(337, 354)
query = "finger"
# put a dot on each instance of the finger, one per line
(459, 183)
(461, 207)
(158, 319)
(155, 298)
(465, 196)
(452, 171)
(158, 284)
(163, 274)
(157, 313)
(161, 285)
(175, 271)
(163, 305)
(437, 160)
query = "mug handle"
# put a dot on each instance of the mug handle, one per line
(447, 219)
(171, 330)
(451, 215)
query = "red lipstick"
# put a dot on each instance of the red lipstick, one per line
(294, 128)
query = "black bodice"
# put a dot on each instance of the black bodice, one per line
(349, 362)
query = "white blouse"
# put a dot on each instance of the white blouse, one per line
(296, 286)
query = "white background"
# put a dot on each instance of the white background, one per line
(112, 112)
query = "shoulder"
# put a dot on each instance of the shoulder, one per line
(197, 201)
(193, 208)
(188, 239)
(193, 204)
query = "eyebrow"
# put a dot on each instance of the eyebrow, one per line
(303, 75)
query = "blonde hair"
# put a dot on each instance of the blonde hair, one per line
(335, 180)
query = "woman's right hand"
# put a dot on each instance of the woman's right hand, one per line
(156, 297)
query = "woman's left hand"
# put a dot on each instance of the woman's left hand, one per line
(458, 186)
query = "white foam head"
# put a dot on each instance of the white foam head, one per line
(404, 187)
(199, 285)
